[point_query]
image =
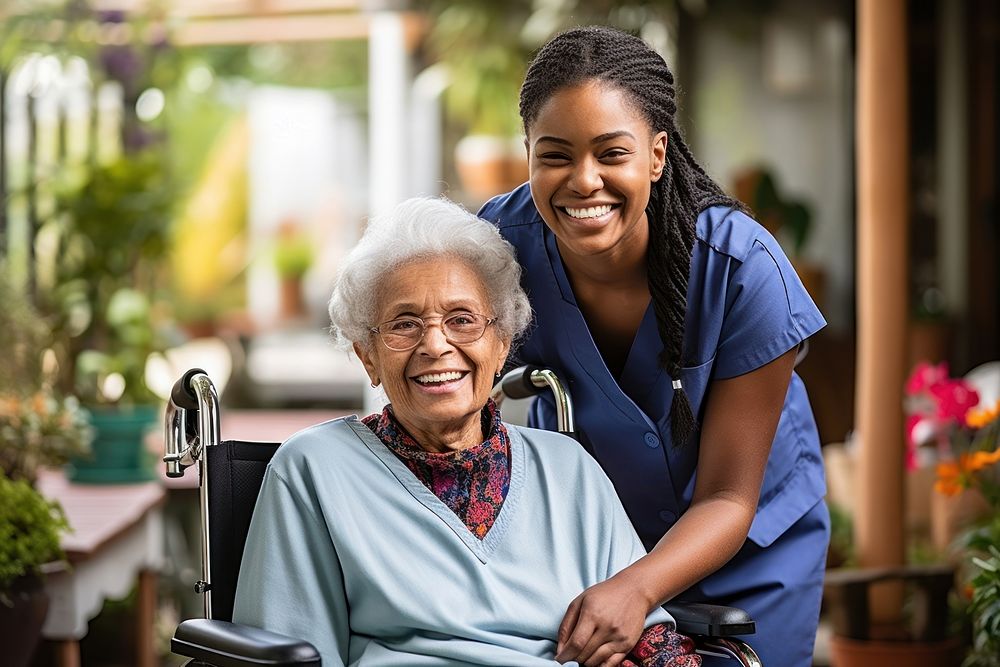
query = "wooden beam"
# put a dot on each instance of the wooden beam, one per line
(883, 304)
(218, 8)
(253, 30)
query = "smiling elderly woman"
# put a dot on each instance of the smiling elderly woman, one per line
(434, 533)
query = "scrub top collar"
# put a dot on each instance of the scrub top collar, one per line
(639, 377)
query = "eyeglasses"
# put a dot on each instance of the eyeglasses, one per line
(405, 333)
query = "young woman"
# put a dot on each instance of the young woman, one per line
(675, 318)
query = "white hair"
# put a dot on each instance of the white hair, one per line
(420, 229)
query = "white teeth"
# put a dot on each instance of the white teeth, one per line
(439, 377)
(592, 212)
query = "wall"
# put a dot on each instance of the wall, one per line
(775, 88)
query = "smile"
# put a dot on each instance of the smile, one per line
(591, 212)
(439, 378)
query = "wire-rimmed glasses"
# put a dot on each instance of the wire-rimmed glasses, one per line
(459, 328)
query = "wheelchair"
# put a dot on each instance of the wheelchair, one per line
(230, 477)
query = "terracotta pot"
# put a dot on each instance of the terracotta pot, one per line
(856, 653)
(292, 303)
(489, 166)
(22, 613)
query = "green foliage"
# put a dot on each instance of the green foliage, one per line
(113, 241)
(30, 527)
(486, 60)
(984, 608)
(486, 46)
(23, 336)
(37, 426)
(293, 255)
(841, 536)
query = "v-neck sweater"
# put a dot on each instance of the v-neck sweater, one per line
(351, 552)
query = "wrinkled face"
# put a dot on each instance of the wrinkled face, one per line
(438, 388)
(592, 160)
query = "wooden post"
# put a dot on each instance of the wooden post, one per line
(145, 619)
(68, 653)
(882, 187)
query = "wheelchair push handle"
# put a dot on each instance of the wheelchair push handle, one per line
(191, 421)
(182, 394)
(517, 383)
(528, 381)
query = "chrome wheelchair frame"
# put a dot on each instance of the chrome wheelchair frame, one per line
(192, 437)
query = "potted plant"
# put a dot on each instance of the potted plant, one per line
(478, 44)
(293, 256)
(38, 426)
(30, 527)
(113, 236)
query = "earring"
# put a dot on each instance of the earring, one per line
(498, 373)
(375, 383)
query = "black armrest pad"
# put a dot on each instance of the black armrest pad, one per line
(710, 620)
(230, 645)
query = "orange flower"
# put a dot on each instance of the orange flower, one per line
(10, 406)
(979, 460)
(977, 419)
(951, 478)
(39, 404)
(954, 476)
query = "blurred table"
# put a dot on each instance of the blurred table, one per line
(116, 539)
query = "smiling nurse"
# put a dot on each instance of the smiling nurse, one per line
(675, 318)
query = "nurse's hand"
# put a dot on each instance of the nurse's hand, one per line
(602, 624)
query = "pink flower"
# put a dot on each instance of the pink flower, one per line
(954, 399)
(912, 423)
(925, 376)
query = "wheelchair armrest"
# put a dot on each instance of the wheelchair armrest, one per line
(227, 644)
(710, 620)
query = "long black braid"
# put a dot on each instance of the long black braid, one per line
(628, 63)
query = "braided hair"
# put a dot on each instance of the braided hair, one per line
(626, 62)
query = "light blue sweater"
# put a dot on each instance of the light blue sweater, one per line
(351, 552)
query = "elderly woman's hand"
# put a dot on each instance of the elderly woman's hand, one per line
(603, 623)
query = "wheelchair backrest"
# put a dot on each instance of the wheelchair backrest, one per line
(235, 473)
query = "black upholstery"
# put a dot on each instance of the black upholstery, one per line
(235, 473)
(224, 644)
(711, 620)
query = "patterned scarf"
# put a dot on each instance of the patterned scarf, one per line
(472, 482)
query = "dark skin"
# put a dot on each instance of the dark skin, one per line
(573, 169)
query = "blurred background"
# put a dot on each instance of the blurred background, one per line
(179, 180)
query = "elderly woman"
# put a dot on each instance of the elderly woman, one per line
(434, 533)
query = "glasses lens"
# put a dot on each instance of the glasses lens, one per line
(401, 334)
(464, 327)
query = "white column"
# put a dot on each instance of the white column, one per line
(388, 157)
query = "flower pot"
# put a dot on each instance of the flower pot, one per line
(291, 302)
(119, 454)
(489, 165)
(877, 653)
(22, 613)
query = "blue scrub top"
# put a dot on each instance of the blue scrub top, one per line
(746, 307)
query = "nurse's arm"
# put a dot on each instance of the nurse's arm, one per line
(741, 417)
